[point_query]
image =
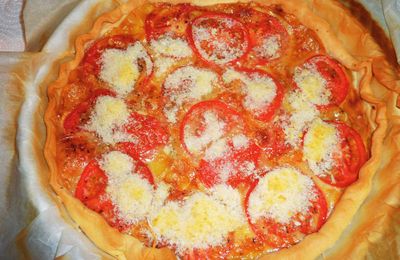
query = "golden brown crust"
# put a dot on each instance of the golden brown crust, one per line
(378, 86)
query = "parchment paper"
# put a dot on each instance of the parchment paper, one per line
(31, 223)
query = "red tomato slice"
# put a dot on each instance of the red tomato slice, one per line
(333, 73)
(168, 19)
(218, 39)
(92, 62)
(280, 235)
(354, 156)
(207, 121)
(268, 37)
(266, 112)
(91, 190)
(149, 133)
(236, 166)
(73, 119)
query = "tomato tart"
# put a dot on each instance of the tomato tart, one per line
(210, 130)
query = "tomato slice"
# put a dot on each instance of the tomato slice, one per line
(235, 166)
(149, 134)
(263, 95)
(91, 190)
(74, 118)
(218, 38)
(170, 19)
(206, 122)
(333, 73)
(354, 155)
(280, 235)
(268, 37)
(92, 59)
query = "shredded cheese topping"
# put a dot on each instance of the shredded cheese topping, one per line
(269, 48)
(221, 52)
(214, 130)
(312, 84)
(201, 220)
(321, 146)
(168, 51)
(259, 90)
(281, 194)
(171, 47)
(186, 84)
(107, 119)
(133, 196)
(120, 68)
(301, 113)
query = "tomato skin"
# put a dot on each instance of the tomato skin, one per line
(232, 117)
(355, 155)
(262, 26)
(91, 61)
(72, 120)
(215, 16)
(208, 174)
(167, 19)
(271, 109)
(280, 235)
(150, 134)
(91, 188)
(333, 73)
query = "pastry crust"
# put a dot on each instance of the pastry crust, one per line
(345, 40)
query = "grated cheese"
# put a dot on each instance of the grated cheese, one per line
(240, 141)
(133, 196)
(216, 150)
(168, 52)
(321, 147)
(269, 47)
(107, 119)
(171, 47)
(281, 194)
(301, 114)
(130, 193)
(214, 130)
(259, 90)
(222, 51)
(186, 84)
(202, 220)
(312, 84)
(120, 68)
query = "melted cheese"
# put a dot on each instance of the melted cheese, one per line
(120, 68)
(185, 84)
(320, 146)
(259, 90)
(202, 220)
(301, 115)
(107, 119)
(313, 85)
(281, 194)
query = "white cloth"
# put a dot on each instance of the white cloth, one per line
(11, 31)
